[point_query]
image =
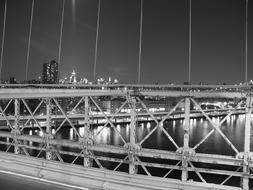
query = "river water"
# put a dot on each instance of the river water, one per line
(233, 128)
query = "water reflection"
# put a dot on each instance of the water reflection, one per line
(81, 131)
(148, 125)
(40, 133)
(71, 134)
(233, 128)
(118, 127)
(104, 136)
(53, 131)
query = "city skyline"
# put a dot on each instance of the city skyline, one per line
(218, 39)
(50, 75)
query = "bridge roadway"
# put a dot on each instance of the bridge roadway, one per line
(84, 175)
(14, 181)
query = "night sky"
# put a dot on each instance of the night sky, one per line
(218, 39)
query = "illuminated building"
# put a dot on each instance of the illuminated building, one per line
(13, 80)
(50, 73)
(72, 78)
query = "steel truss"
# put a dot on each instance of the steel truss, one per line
(85, 148)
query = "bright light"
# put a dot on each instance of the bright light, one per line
(40, 133)
(71, 134)
(73, 3)
(81, 131)
(118, 127)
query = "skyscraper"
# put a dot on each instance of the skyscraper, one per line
(50, 73)
(72, 78)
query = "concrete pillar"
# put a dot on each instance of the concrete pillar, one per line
(245, 179)
(184, 175)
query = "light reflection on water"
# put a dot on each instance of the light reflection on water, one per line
(233, 128)
(81, 131)
(118, 127)
(71, 133)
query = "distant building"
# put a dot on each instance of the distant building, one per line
(72, 78)
(50, 73)
(12, 80)
(33, 81)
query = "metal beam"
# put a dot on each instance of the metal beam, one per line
(132, 145)
(32, 93)
(186, 127)
(95, 178)
(87, 137)
(8, 93)
(48, 133)
(143, 152)
(245, 179)
(16, 130)
(131, 153)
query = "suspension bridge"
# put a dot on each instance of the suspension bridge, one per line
(115, 137)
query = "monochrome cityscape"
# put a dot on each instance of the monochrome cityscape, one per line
(126, 94)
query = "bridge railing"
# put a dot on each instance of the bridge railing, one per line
(121, 132)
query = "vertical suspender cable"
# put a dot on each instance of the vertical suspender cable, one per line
(96, 46)
(246, 41)
(140, 43)
(61, 30)
(29, 42)
(190, 41)
(3, 38)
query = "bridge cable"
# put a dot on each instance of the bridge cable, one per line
(3, 38)
(96, 46)
(246, 40)
(190, 41)
(61, 30)
(29, 41)
(140, 43)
